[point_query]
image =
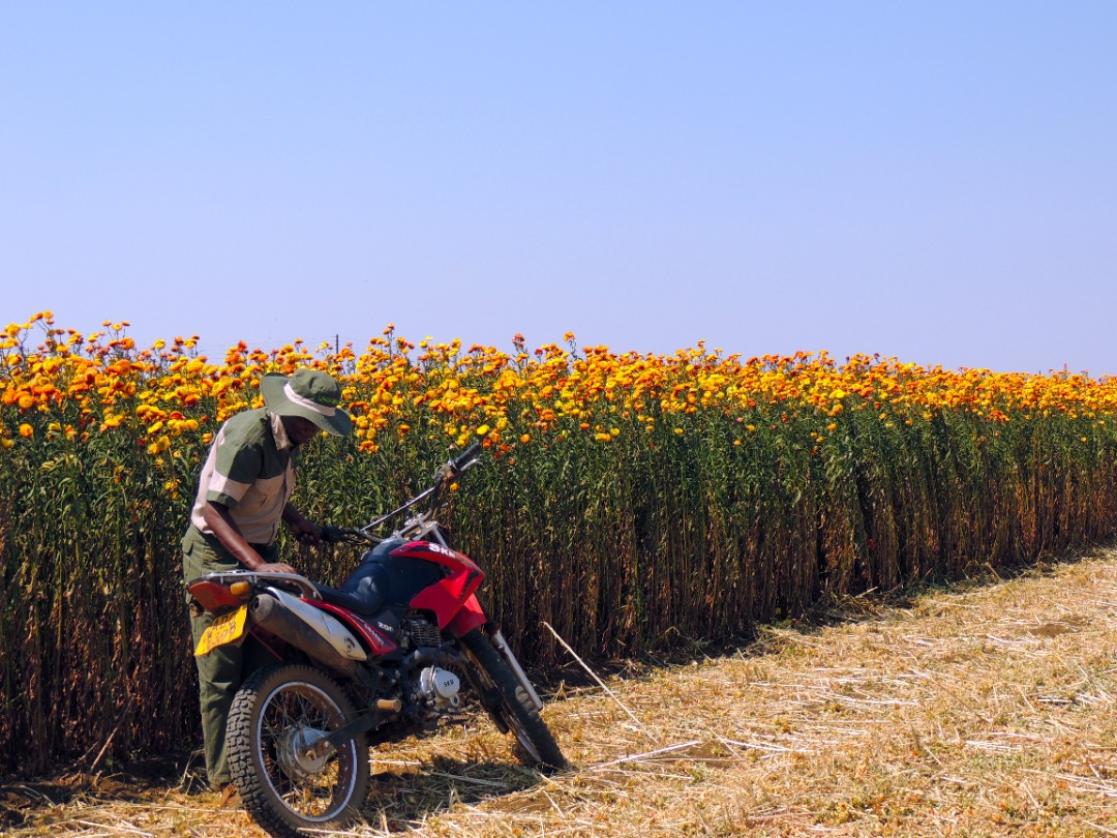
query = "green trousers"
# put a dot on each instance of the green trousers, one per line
(221, 672)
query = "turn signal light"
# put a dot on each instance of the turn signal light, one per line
(241, 589)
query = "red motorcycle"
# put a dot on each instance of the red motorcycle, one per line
(385, 655)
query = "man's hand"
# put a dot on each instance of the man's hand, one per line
(306, 531)
(274, 567)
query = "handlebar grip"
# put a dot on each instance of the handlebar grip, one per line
(333, 535)
(464, 458)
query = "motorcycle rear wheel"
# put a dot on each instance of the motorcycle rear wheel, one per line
(276, 715)
(515, 708)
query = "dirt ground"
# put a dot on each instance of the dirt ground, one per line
(986, 708)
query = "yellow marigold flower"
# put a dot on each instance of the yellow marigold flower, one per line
(679, 431)
(833, 426)
(603, 437)
(454, 487)
(207, 438)
(483, 430)
(6, 443)
(26, 431)
(26, 402)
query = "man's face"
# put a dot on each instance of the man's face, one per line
(299, 430)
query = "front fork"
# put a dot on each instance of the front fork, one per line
(504, 649)
(502, 646)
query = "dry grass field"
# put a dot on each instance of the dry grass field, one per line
(986, 708)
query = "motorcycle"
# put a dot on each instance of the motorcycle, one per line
(385, 655)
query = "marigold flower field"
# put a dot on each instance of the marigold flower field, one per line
(632, 501)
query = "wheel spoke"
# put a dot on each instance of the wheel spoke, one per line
(308, 787)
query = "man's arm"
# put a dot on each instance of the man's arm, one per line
(224, 528)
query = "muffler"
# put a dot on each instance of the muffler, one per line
(273, 616)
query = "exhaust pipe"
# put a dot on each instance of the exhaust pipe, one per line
(272, 616)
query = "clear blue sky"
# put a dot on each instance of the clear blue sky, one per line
(932, 180)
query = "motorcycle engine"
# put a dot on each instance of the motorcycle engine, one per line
(439, 688)
(422, 632)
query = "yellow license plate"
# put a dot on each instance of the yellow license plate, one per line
(227, 628)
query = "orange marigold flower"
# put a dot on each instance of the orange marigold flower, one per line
(26, 431)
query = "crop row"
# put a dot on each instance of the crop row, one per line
(632, 501)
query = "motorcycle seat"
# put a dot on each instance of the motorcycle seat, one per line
(367, 603)
(366, 590)
(382, 579)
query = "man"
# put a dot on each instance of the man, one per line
(243, 494)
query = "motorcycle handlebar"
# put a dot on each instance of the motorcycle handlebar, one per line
(343, 535)
(460, 462)
(455, 466)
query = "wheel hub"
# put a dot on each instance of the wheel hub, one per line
(297, 754)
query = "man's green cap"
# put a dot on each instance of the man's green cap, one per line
(311, 394)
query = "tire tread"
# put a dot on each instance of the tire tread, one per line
(253, 792)
(506, 682)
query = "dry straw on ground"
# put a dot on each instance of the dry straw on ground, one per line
(985, 709)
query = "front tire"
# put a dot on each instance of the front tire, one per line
(510, 705)
(276, 715)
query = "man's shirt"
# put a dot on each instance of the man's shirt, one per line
(251, 470)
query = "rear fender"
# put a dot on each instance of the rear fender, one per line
(213, 596)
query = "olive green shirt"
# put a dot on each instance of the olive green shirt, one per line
(251, 470)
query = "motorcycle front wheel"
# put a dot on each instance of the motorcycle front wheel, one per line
(277, 716)
(509, 704)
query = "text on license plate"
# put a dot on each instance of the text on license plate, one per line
(225, 629)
